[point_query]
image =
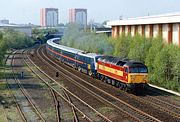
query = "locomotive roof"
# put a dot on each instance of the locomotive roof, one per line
(134, 64)
(120, 61)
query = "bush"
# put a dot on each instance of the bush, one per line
(122, 46)
(165, 67)
(139, 48)
(10, 38)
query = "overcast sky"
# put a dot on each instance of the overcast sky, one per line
(28, 11)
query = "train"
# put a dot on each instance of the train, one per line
(123, 73)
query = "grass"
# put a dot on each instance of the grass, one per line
(68, 115)
(9, 111)
(105, 110)
(50, 113)
(2, 115)
(3, 85)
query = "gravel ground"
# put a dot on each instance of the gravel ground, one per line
(38, 91)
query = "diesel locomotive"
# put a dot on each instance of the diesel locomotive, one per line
(126, 74)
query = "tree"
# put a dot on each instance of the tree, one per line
(176, 71)
(163, 65)
(122, 46)
(139, 47)
(77, 38)
(14, 39)
(157, 45)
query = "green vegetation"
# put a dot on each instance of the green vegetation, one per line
(163, 60)
(87, 41)
(11, 39)
(41, 33)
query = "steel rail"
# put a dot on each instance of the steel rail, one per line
(27, 96)
(9, 89)
(84, 115)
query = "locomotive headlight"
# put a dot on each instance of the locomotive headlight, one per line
(145, 78)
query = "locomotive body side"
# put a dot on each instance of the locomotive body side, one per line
(112, 71)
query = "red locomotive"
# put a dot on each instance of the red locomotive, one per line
(123, 73)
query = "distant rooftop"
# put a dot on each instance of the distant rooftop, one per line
(12, 25)
(154, 19)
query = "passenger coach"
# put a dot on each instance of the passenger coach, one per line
(78, 59)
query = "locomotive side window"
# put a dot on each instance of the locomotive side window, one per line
(126, 70)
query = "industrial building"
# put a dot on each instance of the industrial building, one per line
(4, 21)
(78, 16)
(167, 26)
(49, 17)
(21, 28)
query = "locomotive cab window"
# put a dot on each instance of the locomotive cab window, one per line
(143, 70)
(138, 70)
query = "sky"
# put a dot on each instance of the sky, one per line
(28, 11)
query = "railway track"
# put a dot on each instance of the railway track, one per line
(59, 118)
(75, 116)
(56, 105)
(11, 93)
(58, 88)
(167, 98)
(118, 104)
(159, 104)
(26, 106)
(164, 106)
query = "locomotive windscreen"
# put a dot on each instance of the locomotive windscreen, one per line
(141, 69)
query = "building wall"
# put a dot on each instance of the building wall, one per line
(4, 21)
(42, 15)
(155, 30)
(139, 29)
(120, 30)
(147, 31)
(115, 31)
(165, 32)
(78, 16)
(126, 29)
(175, 37)
(49, 17)
(169, 32)
(132, 30)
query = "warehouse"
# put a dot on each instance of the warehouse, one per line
(21, 28)
(166, 25)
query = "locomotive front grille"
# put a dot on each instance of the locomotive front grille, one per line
(138, 78)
